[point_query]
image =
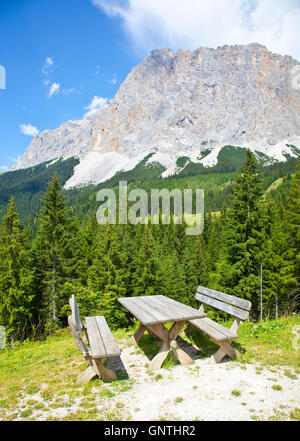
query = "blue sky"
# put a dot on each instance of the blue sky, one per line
(64, 58)
(44, 44)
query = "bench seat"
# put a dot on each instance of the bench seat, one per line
(237, 307)
(213, 329)
(102, 342)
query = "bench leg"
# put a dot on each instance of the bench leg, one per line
(101, 370)
(137, 335)
(86, 375)
(96, 368)
(225, 349)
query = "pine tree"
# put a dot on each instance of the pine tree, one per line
(56, 252)
(292, 221)
(172, 278)
(108, 277)
(239, 269)
(277, 267)
(16, 277)
(145, 266)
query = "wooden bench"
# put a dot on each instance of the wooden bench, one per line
(233, 305)
(102, 344)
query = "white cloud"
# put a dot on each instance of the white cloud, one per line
(54, 89)
(69, 91)
(113, 80)
(192, 23)
(96, 104)
(4, 167)
(28, 129)
(47, 65)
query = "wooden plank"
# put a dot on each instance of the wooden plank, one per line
(79, 342)
(161, 311)
(232, 300)
(103, 372)
(111, 347)
(159, 358)
(86, 376)
(227, 332)
(75, 315)
(170, 311)
(179, 310)
(95, 339)
(187, 311)
(226, 346)
(182, 356)
(240, 313)
(138, 310)
(174, 312)
(134, 339)
(160, 331)
(152, 310)
(210, 331)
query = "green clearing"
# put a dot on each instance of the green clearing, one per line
(38, 378)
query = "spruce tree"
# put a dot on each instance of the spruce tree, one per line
(16, 277)
(277, 268)
(56, 251)
(146, 278)
(108, 277)
(240, 266)
(292, 222)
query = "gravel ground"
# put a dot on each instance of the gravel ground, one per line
(203, 391)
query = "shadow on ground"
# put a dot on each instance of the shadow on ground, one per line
(198, 347)
(116, 364)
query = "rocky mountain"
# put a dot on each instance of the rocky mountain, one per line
(183, 104)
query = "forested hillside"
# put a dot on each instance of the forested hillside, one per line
(27, 186)
(68, 252)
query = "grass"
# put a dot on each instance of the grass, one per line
(236, 393)
(268, 343)
(276, 387)
(47, 370)
(289, 374)
(39, 378)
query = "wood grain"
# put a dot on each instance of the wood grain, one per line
(232, 300)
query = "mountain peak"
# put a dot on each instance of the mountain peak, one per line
(178, 104)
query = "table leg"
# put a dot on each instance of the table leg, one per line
(161, 332)
(137, 335)
(182, 356)
(169, 343)
(159, 358)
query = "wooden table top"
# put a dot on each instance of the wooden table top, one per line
(151, 310)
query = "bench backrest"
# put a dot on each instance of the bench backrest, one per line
(231, 304)
(75, 315)
(78, 340)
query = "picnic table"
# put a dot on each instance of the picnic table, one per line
(153, 312)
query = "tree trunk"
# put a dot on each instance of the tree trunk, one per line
(53, 287)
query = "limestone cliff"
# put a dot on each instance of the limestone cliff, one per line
(177, 104)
